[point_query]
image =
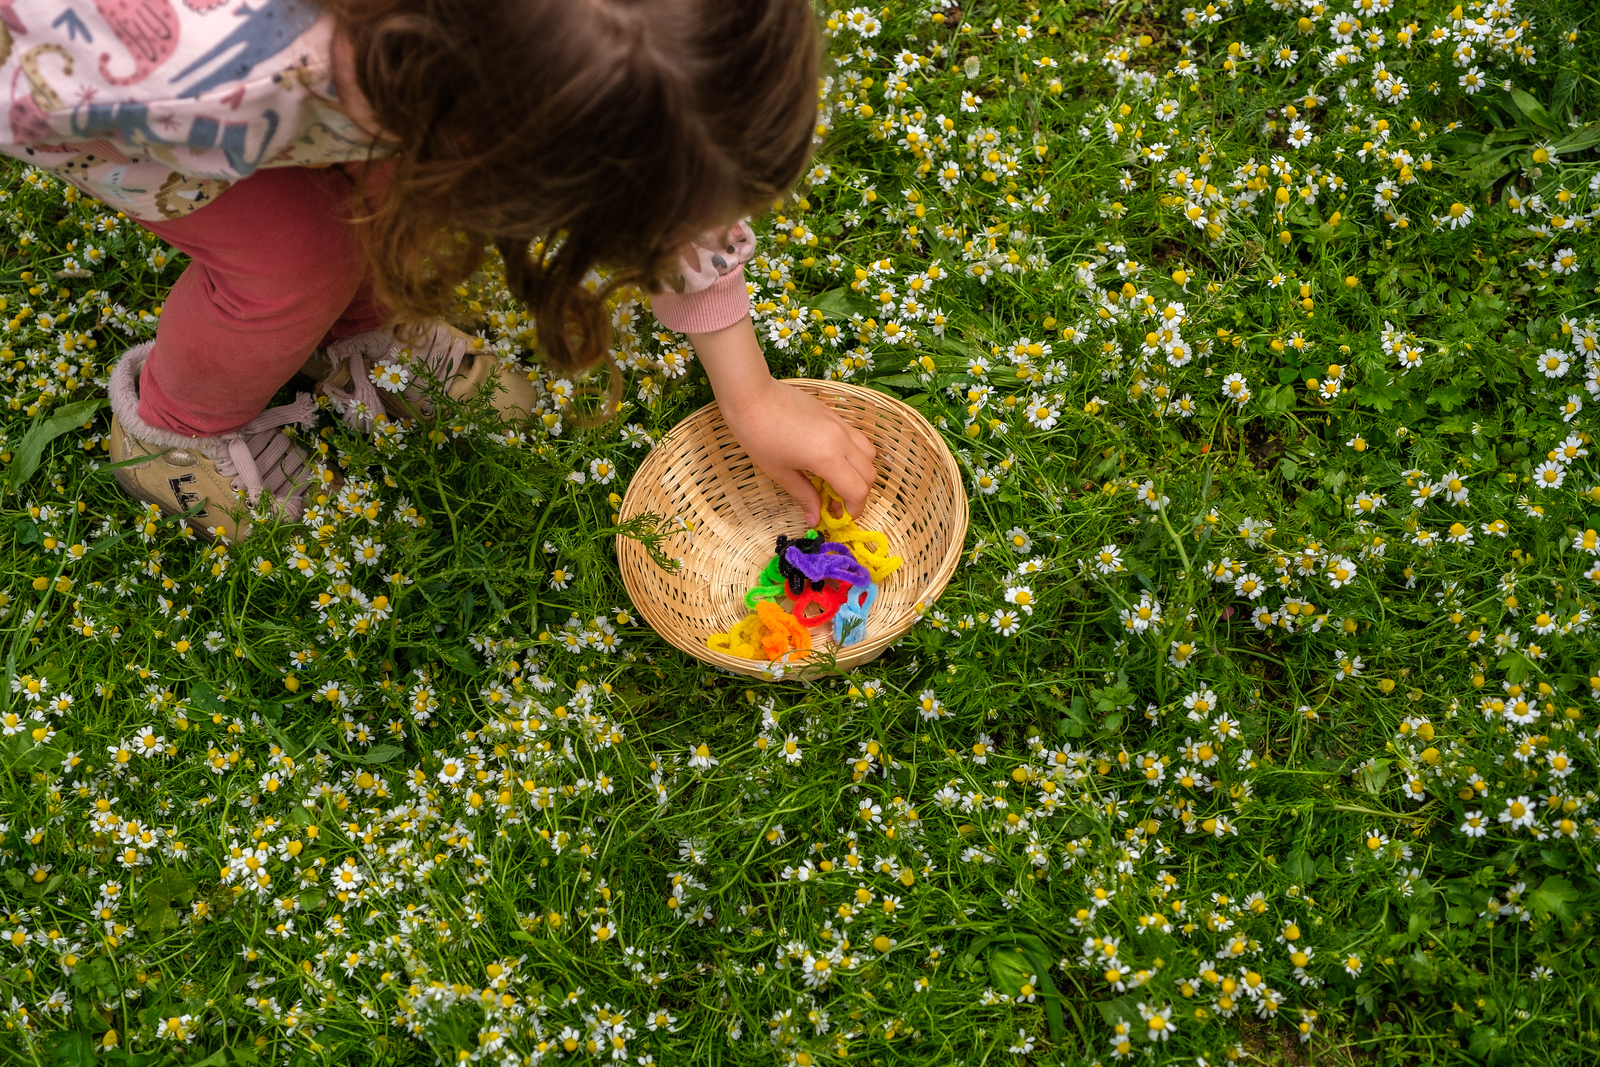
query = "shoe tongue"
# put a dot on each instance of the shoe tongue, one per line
(261, 458)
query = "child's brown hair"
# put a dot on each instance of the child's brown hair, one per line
(613, 131)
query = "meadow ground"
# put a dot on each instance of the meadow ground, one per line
(1258, 723)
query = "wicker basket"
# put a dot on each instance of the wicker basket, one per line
(700, 472)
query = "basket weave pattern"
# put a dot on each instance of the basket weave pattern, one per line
(701, 473)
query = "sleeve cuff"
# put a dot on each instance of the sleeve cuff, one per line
(710, 310)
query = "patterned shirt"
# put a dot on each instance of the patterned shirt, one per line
(156, 106)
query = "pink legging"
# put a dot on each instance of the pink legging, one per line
(276, 269)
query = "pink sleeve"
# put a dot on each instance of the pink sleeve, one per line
(725, 303)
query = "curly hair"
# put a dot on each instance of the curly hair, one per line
(570, 135)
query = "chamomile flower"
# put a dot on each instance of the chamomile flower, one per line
(1018, 539)
(391, 377)
(1108, 560)
(1158, 1022)
(1518, 812)
(1346, 666)
(1236, 388)
(1147, 495)
(1549, 475)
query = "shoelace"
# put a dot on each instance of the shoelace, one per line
(260, 456)
(440, 351)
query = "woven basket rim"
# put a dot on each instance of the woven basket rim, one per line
(641, 492)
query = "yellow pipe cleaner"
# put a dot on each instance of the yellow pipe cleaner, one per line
(871, 548)
(744, 640)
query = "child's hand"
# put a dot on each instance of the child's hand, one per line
(788, 432)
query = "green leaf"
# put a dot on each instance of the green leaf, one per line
(1516, 666)
(1534, 111)
(159, 895)
(461, 659)
(25, 460)
(1556, 858)
(1077, 715)
(840, 304)
(205, 698)
(1009, 968)
(1553, 897)
(104, 978)
(1486, 1041)
(28, 532)
(915, 381)
(1124, 1009)
(1300, 866)
(1372, 778)
(26, 755)
(899, 381)
(375, 754)
(68, 1048)
(962, 350)
(1587, 137)
(107, 470)
(1112, 697)
(1278, 399)
(84, 1016)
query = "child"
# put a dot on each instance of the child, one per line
(316, 162)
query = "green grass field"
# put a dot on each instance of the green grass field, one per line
(1257, 725)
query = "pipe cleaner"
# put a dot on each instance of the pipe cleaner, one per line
(826, 600)
(835, 561)
(803, 546)
(781, 631)
(850, 621)
(743, 640)
(768, 587)
(870, 546)
(810, 541)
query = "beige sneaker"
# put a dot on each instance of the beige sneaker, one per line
(228, 474)
(373, 371)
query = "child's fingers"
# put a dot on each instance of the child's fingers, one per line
(862, 463)
(863, 442)
(848, 482)
(800, 487)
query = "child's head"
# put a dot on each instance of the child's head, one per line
(614, 130)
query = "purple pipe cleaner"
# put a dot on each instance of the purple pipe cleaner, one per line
(834, 561)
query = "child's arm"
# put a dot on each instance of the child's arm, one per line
(785, 430)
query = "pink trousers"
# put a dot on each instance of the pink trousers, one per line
(276, 270)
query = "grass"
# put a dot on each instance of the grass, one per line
(1291, 632)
